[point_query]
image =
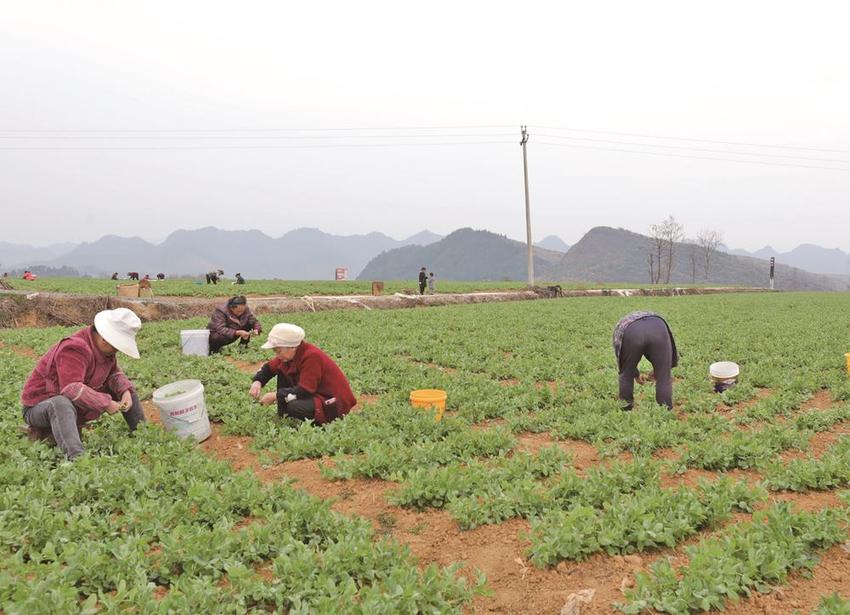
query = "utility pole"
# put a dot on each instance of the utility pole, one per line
(527, 208)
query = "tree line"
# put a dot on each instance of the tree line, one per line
(664, 237)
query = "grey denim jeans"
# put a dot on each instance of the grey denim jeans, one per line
(60, 416)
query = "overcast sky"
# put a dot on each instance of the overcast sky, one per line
(270, 80)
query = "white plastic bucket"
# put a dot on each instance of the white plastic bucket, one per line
(182, 409)
(195, 342)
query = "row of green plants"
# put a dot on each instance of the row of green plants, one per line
(745, 558)
(543, 366)
(148, 523)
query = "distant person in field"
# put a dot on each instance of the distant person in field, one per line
(645, 334)
(239, 279)
(213, 276)
(232, 321)
(133, 275)
(114, 276)
(79, 379)
(431, 283)
(160, 276)
(423, 280)
(310, 385)
(29, 276)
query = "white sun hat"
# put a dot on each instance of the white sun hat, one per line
(119, 328)
(284, 335)
(724, 370)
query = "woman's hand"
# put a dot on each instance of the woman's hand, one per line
(268, 399)
(255, 389)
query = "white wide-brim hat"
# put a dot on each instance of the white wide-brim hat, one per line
(723, 370)
(284, 335)
(119, 328)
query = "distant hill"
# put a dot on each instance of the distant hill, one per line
(553, 242)
(806, 256)
(606, 254)
(465, 254)
(422, 238)
(305, 253)
(14, 255)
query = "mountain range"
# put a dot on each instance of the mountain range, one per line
(305, 253)
(603, 255)
(465, 254)
(805, 256)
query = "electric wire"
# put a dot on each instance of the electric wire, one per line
(672, 155)
(247, 147)
(715, 141)
(696, 149)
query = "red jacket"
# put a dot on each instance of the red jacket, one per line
(76, 368)
(317, 374)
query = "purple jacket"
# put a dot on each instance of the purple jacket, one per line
(225, 323)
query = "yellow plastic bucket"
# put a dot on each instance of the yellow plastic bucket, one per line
(429, 398)
(847, 358)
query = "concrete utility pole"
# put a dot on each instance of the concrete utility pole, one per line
(527, 208)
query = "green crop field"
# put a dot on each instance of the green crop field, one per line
(533, 486)
(292, 288)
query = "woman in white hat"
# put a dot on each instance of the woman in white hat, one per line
(310, 385)
(79, 379)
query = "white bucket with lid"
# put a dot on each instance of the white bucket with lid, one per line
(182, 409)
(195, 342)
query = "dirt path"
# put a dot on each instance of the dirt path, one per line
(22, 309)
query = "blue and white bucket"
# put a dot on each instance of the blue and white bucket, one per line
(182, 409)
(724, 374)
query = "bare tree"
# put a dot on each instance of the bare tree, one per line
(664, 238)
(656, 252)
(693, 267)
(673, 234)
(709, 241)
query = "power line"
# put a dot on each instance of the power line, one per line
(252, 137)
(248, 147)
(196, 130)
(672, 155)
(696, 149)
(649, 136)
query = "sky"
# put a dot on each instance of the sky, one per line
(137, 119)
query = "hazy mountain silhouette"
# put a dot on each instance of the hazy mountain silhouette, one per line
(553, 242)
(807, 256)
(606, 254)
(465, 254)
(15, 256)
(305, 253)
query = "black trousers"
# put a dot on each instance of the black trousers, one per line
(301, 409)
(218, 341)
(647, 337)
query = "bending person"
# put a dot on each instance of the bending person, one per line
(645, 334)
(231, 321)
(310, 385)
(79, 379)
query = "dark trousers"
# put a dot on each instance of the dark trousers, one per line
(301, 409)
(647, 337)
(422, 287)
(57, 416)
(218, 341)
